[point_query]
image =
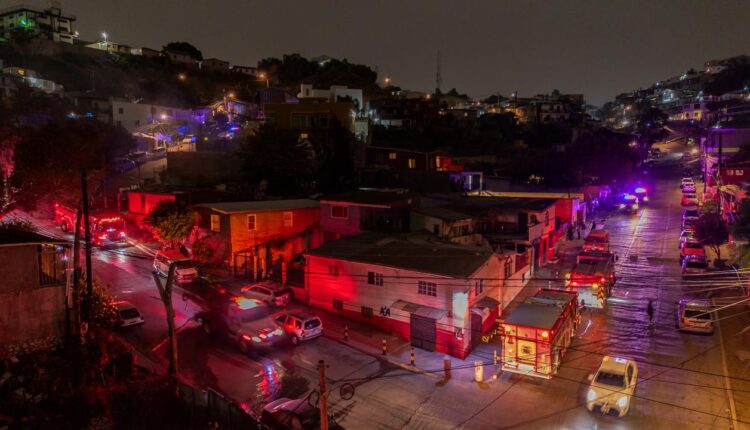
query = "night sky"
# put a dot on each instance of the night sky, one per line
(597, 47)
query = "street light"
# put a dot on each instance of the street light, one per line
(263, 76)
(387, 81)
(181, 77)
(104, 36)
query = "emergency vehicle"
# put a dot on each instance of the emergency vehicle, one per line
(597, 240)
(592, 277)
(106, 228)
(538, 332)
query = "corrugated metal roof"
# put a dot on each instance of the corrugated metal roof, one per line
(421, 310)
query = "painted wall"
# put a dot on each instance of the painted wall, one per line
(142, 203)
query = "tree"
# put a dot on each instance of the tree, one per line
(712, 231)
(185, 48)
(709, 207)
(172, 220)
(275, 161)
(742, 226)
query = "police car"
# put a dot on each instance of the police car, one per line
(613, 386)
(628, 203)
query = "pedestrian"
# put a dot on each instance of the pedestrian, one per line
(650, 312)
(593, 225)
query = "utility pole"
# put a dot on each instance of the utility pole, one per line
(323, 396)
(87, 238)
(165, 291)
(438, 75)
(718, 172)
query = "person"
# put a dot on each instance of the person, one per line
(650, 311)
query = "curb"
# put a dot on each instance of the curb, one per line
(408, 367)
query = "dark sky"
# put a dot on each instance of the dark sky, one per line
(596, 47)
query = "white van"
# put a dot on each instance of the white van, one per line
(695, 316)
(185, 269)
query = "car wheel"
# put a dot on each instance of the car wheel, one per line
(295, 340)
(64, 226)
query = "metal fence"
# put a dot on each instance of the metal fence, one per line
(209, 409)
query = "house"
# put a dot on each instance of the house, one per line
(214, 65)
(310, 115)
(245, 70)
(402, 113)
(49, 23)
(183, 58)
(111, 47)
(131, 116)
(32, 79)
(272, 96)
(146, 52)
(351, 213)
(260, 236)
(333, 94)
(410, 159)
(34, 291)
(439, 295)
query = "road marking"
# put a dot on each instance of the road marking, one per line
(727, 382)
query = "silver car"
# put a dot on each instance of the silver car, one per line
(695, 316)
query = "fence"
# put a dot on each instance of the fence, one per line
(209, 408)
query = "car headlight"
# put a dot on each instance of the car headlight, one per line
(622, 205)
(622, 401)
(645, 198)
(591, 395)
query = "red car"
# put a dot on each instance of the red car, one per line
(692, 248)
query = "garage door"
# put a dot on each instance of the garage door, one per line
(423, 332)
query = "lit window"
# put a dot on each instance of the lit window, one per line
(215, 223)
(375, 278)
(251, 222)
(288, 219)
(412, 163)
(339, 212)
(333, 270)
(427, 288)
(392, 156)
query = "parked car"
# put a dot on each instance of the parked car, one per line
(293, 414)
(128, 315)
(270, 292)
(689, 199)
(692, 248)
(628, 203)
(690, 213)
(138, 157)
(694, 264)
(185, 268)
(695, 316)
(300, 325)
(613, 386)
(122, 165)
(688, 188)
(685, 236)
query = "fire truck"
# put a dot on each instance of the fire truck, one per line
(597, 240)
(106, 228)
(592, 277)
(538, 332)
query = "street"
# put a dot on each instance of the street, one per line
(682, 377)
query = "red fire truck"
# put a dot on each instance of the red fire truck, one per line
(592, 277)
(106, 227)
(538, 332)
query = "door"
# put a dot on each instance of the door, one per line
(423, 332)
(476, 329)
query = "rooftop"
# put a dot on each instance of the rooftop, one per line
(542, 310)
(261, 206)
(371, 197)
(444, 214)
(416, 251)
(9, 236)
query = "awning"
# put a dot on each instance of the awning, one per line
(420, 310)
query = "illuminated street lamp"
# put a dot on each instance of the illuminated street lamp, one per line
(182, 77)
(104, 43)
(387, 81)
(264, 77)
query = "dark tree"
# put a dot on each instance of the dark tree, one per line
(172, 220)
(185, 48)
(712, 231)
(275, 162)
(742, 226)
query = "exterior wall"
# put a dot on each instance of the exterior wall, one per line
(142, 203)
(339, 227)
(28, 311)
(49, 23)
(453, 335)
(178, 57)
(283, 115)
(384, 157)
(215, 65)
(131, 116)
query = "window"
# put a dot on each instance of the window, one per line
(121, 110)
(479, 287)
(375, 278)
(412, 163)
(288, 219)
(392, 155)
(339, 212)
(427, 288)
(215, 223)
(251, 222)
(333, 270)
(367, 311)
(508, 268)
(338, 304)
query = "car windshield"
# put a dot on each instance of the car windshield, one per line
(311, 324)
(610, 379)
(129, 313)
(691, 213)
(697, 314)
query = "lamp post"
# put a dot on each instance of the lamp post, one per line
(104, 36)
(262, 77)
(387, 81)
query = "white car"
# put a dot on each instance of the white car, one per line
(269, 292)
(687, 180)
(300, 325)
(613, 386)
(688, 188)
(128, 314)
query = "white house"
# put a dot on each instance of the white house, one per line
(131, 116)
(333, 94)
(439, 295)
